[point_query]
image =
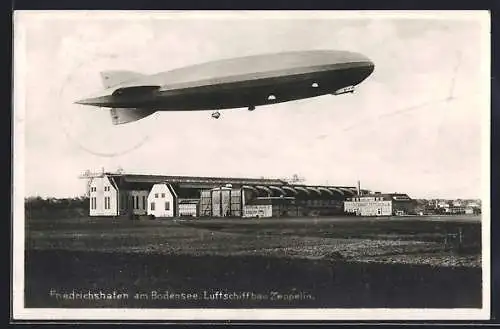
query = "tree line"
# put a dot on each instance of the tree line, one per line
(60, 207)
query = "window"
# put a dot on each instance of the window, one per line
(107, 202)
(156, 195)
(152, 206)
(136, 202)
(167, 205)
(163, 195)
(144, 202)
(92, 203)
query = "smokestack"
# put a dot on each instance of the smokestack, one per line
(359, 188)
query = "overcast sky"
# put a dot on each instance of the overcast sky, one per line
(394, 134)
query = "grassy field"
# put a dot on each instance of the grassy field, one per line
(302, 262)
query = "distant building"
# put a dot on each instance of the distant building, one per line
(443, 204)
(458, 207)
(380, 205)
(455, 210)
(474, 204)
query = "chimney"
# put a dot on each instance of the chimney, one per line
(359, 188)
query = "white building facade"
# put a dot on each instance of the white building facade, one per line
(380, 205)
(103, 197)
(162, 201)
(107, 200)
(368, 206)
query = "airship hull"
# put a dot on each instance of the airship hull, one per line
(256, 92)
(241, 82)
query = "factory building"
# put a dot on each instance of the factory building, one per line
(380, 205)
(118, 194)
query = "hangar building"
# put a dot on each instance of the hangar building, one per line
(119, 194)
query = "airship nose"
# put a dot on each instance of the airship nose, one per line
(85, 101)
(96, 100)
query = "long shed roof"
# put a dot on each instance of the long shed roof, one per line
(138, 178)
(141, 181)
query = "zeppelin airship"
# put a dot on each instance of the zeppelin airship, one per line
(244, 82)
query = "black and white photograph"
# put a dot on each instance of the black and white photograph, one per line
(264, 165)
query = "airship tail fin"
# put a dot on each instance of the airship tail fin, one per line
(113, 78)
(125, 115)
